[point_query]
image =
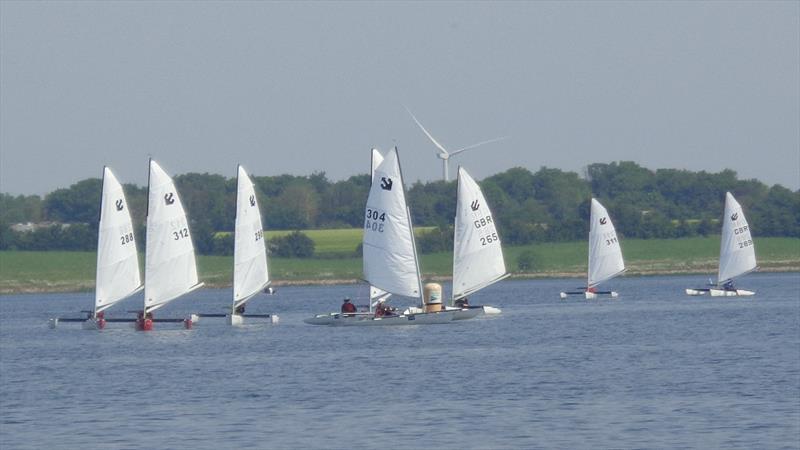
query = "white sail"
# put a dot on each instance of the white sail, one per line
(605, 253)
(376, 294)
(377, 159)
(118, 274)
(250, 274)
(737, 255)
(170, 267)
(477, 253)
(390, 259)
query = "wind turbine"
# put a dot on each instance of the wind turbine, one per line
(443, 154)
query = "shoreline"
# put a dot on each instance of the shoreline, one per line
(88, 285)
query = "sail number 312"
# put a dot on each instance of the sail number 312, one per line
(180, 234)
(375, 220)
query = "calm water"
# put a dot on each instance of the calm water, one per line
(654, 368)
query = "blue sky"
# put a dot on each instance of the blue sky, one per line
(287, 87)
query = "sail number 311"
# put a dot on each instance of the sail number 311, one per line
(375, 220)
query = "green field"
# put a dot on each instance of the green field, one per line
(74, 271)
(338, 242)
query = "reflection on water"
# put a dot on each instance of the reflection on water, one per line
(654, 368)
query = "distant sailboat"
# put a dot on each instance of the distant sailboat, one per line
(250, 273)
(737, 255)
(117, 276)
(170, 266)
(605, 254)
(477, 254)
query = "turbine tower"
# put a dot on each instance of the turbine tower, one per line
(443, 154)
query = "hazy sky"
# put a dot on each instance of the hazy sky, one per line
(303, 87)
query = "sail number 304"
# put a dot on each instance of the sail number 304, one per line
(375, 220)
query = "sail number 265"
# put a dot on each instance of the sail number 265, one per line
(375, 220)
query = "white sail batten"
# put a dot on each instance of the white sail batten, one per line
(605, 253)
(390, 261)
(477, 253)
(250, 272)
(117, 275)
(737, 255)
(170, 267)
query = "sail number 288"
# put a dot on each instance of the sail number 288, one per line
(375, 220)
(126, 238)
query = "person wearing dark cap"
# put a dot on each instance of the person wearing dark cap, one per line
(348, 307)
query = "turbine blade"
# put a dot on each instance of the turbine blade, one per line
(437, 144)
(470, 147)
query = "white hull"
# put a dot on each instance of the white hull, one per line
(727, 293)
(235, 319)
(590, 295)
(695, 292)
(720, 292)
(349, 320)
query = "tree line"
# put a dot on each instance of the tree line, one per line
(546, 205)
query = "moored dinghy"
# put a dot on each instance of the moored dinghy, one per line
(170, 266)
(737, 255)
(117, 276)
(605, 254)
(477, 254)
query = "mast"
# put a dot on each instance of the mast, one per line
(99, 224)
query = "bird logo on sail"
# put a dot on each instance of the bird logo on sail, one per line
(119, 204)
(475, 205)
(386, 184)
(734, 216)
(603, 221)
(169, 198)
(252, 200)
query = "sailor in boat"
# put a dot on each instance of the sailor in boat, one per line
(240, 309)
(729, 286)
(384, 310)
(462, 303)
(348, 307)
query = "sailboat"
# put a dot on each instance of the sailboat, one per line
(376, 295)
(117, 276)
(250, 272)
(737, 255)
(477, 254)
(390, 257)
(170, 266)
(605, 254)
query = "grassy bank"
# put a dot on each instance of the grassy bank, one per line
(74, 271)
